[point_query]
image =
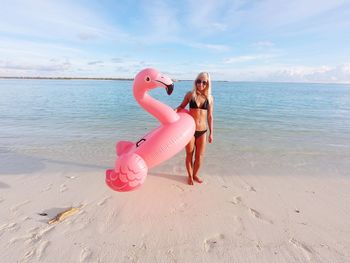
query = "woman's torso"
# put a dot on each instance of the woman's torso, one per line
(199, 112)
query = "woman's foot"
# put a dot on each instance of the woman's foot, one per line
(190, 180)
(198, 179)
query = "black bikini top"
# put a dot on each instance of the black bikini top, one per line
(193, 104)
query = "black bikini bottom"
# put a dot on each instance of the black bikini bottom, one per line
(198, 134)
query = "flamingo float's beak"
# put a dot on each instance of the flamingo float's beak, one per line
(166, 82)
(169, 88)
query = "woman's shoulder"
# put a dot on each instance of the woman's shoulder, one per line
(189, 95)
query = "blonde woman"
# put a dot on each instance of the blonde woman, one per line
(201, 109)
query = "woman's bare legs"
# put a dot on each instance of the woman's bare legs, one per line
(200, 143)
(189, 160)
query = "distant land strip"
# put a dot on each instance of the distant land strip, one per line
(67, 78)
(87, 78)
(76, 78)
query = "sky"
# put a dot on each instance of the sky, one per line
(237, 40)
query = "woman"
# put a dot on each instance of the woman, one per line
(201, 109)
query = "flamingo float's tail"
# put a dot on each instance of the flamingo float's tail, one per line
(129, 173)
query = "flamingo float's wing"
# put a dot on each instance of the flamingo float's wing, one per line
(129, 173)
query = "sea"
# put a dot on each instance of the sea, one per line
(277, 129)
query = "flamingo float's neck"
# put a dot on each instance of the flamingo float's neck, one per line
(159, 110)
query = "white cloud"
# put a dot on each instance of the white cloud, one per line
(212, 47)
(240, 59)
(62, 20)
(270, 15)
(29, 68)
(275, 73)
(208, 17)
(247, 58)
(25, 50)
(95, 62)
(263, 44)
(160, 19)
(219, 26)
(331, 74)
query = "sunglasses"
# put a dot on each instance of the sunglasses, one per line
(198, 81)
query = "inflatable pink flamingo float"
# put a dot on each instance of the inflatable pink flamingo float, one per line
(175, 131)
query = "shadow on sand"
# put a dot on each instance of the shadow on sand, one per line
(17, 163)
(174, 177)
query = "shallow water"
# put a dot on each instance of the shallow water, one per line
(260, 128)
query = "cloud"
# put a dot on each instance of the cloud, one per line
(276, 73)
(263, 44)
(272, 16)
(87, 36)
(62, 20)
(208, 14)
(247, 58)
(18, 49)
(208, 46)
(335, 74)
(26, 67)
(219, 26)
(95, 62)
(117, 60)
(240, 59)
(159, 18)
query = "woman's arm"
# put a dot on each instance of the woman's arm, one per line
(210, 120)
(184, 102)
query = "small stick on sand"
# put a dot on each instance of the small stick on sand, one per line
(63, 215)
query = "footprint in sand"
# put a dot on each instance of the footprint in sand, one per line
(260, 216)
(47, 188)
(178, 187)
(304, 248)
(180, 208)
(104, 200)
(236, 200)
(250, 188)
(9, 227)
(36, 234)
(212, 243)
(63, 188)
(16, 207)
(34, 241)
(37, 251)
(109, 220)
(41, 248)
(239, 228)
(137, 251)
(85, 255)
(170, 253)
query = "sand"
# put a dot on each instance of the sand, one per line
(228, 218)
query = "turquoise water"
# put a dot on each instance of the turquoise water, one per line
(260, 128)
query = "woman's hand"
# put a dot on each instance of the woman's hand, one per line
(210, 138)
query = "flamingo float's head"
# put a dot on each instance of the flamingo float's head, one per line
(150, 78)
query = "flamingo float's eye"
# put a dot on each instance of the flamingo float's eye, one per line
(147, 79)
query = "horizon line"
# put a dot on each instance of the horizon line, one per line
(175, 80)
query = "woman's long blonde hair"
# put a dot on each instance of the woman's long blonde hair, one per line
(207, 90)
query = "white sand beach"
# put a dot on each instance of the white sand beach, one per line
(226, 219)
